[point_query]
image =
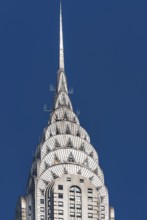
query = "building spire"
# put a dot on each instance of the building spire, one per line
(61, 48)
(62, 98)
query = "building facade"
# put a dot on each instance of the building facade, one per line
(65, 181)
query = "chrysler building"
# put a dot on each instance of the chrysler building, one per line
(65, 181)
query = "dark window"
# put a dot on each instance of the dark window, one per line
(72, 214)
(89, 190)
(90, 199)
(90, 215)
(60, 203)
(78, 207)
(81, 181)
(41, 201)
(42, 192)
(60, 187)
(41, 209)
(49, 203)
(102, 208)
(72, 206)
(102, 216)
(102, 199)
(90, 207)
(60, 212)
(78, 134)
(42, 217)
(60, 195)
(68, 179)
(79, 215)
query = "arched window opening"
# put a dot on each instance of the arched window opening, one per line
(75, 203)
(49, 203)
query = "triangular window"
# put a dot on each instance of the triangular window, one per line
(85, 138)
(96, 171)
(82, 147)
(91, 154)
(91, 178)
(79, 172)
(71, 158)
(48, 150)
(57, 131)
(74, 119)
(57, 118)
(65, 171)
(78, 133)
(68, 130)
(45, 182)
(57, 145)
(54, 175)
(64, 100)
(65, 117)
(85, 163)
(69, 143)
(56, 159)
(51, 134)
(46, 165)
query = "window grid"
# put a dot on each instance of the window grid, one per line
(75, 206)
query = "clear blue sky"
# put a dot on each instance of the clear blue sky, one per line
(106, 63)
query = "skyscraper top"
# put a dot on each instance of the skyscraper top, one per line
(65, 180)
